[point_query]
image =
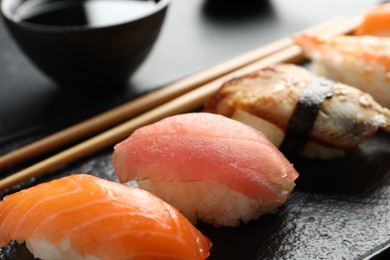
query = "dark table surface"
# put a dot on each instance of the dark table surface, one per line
(340, 209)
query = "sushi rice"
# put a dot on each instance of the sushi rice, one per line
(221, 207)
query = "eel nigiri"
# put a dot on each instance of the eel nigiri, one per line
(300, 112)
(208, 166)
(359, 61)
(85, 217)
(376, 21)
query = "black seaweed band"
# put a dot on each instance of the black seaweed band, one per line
(305, 113)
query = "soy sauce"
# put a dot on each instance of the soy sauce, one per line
(93, 13)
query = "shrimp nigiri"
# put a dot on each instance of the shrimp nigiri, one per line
(359, 61)
(376, 21)
(299, 112)
(85, 217)
(208, 166)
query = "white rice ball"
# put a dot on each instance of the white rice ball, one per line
(45, 250)
(208, 201)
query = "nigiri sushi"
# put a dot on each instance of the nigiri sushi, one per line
(359, 61)
(210, 167)
(85, 217)
(376, 21)
(300, 112)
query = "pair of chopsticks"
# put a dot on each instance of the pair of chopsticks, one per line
(183, 96)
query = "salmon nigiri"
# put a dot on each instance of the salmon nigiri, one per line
(85, 217)
(376, 21)
(208, 166)
(359, 61)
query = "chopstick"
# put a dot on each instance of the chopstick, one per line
(182, 104)
(124, 112)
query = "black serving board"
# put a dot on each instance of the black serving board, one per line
(340, 208)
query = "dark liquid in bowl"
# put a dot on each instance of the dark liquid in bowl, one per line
(93, 13)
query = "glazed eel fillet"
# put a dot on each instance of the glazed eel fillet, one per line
(299, 112)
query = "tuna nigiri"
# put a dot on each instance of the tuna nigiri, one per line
(376, 21)
(85, 217)
(208, 166)
(299, 112)
(359, 61)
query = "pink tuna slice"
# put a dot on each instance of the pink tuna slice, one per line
(204, 147)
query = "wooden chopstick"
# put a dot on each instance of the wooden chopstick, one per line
(182, 104)
(124, 112)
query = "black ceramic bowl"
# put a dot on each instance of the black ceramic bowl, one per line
(85, 55)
